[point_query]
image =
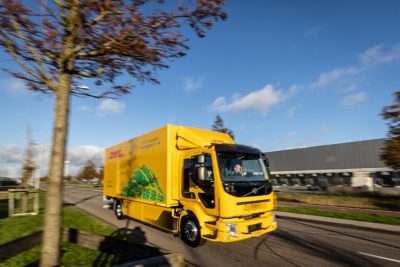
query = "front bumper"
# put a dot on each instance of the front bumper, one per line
(245, 228)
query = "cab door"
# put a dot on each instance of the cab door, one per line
(198, 180)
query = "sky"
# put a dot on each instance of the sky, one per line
(282, 74)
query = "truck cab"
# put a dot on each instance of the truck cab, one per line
(226, 194)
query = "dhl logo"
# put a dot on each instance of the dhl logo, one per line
(115, 154)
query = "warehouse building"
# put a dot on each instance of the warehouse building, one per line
(347, 166)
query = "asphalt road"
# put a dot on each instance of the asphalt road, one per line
(296, 243)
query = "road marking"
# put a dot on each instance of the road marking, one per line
(379, 257)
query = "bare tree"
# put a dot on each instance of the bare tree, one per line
(391, 151)
(60, 44)
(29, 166)
(220, 127)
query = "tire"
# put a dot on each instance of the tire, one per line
(190, 231)
(118, 210)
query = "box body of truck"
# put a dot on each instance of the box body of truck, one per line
(175, 178)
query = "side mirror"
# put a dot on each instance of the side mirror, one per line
(266, 163)
(200, 169)
(201, 173)
(200, 159)
(265, 160)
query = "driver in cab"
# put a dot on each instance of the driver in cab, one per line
(237, 170)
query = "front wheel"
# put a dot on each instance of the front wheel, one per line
(190, 231)
(118, 209)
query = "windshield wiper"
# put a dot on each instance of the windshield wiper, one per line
(254, 191)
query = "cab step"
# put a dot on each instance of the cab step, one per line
(210, 236)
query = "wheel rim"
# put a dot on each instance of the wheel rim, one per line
(191, 231)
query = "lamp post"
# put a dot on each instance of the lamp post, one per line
(66, 168)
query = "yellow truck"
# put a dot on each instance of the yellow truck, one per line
(191, 182)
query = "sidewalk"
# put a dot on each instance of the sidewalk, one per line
(393, 229)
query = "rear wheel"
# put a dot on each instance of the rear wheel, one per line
(118, 209)
(190, 231)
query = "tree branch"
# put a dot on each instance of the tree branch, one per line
(101, 51)
(99, 18)
(94, 74)
(109, 94)
(37, 59)
(14, 54)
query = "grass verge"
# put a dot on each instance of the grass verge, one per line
(375, 218)
(72, 255)
(15, 227)
(368, 201)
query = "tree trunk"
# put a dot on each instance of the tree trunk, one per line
(53, 215)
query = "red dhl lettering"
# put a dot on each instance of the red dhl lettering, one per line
(115, 154)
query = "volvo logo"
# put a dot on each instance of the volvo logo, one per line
(254, 191)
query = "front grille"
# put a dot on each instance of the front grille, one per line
(251, 208)
(254, 227)
(246, 189)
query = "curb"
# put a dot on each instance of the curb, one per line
(379, 227)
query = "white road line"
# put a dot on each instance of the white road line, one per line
(379, 257)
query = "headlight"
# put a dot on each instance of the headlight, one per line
(232, 229)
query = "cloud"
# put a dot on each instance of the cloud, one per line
(260, 101)
(191, 84)
(292, 111)
(354, 99)
(376, 56)
(12, 158)
(351, 87)
(367, 61)
(11, 154)
(110, 107)
(327, 78)
(314, 30)
(78, 156)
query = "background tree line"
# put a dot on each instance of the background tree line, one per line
(89, 171)
(391, 151)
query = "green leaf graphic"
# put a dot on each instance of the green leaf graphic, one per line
(143, 184)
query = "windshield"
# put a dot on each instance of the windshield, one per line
(241, 167)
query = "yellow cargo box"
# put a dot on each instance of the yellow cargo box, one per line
(178, 178)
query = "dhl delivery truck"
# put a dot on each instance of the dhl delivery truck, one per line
(192, 182)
